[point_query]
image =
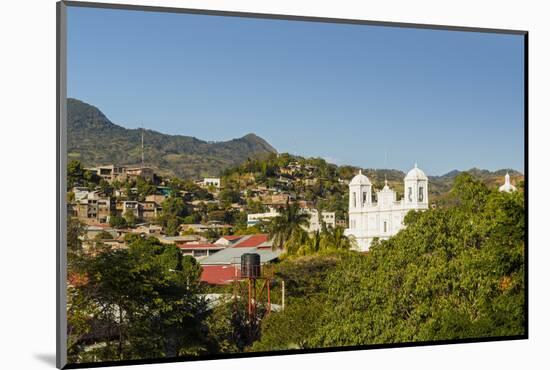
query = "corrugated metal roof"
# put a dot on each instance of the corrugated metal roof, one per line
(201, 246)
(232, 255)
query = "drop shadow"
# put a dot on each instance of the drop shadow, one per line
(47, 358)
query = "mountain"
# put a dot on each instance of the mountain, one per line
(493, 179)
(94, 139)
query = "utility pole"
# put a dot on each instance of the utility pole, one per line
(283, 295)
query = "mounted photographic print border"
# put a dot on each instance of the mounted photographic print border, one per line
(62, 200)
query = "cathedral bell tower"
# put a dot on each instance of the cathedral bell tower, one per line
(360, 197)
(416, 189)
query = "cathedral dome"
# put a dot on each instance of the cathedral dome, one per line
(360, 179)
(416, 174)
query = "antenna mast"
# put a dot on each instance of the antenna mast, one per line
(142, 150)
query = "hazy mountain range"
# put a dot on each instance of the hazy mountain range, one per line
(94, 139)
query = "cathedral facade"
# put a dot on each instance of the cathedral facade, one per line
(383, 217)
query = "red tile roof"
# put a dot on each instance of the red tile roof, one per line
(218, 275)
(253, 241)
(232, 237)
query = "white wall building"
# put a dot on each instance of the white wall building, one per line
(507, 187)
(369, 219)
(255, 218)
(315, 224)
(212, 181)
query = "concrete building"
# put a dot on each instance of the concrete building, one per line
(383, 218)
(255, 218)
(145, 173)
(131, 206)
(112, 172)
(315, 223)
(94, 207)
(108, 173)
(80, 193)
(148, 211)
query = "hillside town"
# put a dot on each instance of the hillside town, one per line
(218, 219)
(215, 219)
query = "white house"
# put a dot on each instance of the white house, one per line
(315, 224)
(212, 181)
(369, 219)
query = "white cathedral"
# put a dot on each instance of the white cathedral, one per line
(383, 218)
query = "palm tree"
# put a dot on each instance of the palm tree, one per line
(288, 230)
(334, 239)
(312, 245)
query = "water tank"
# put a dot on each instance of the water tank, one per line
(250, 265)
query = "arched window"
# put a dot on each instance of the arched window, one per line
(354, 199)
(410, 196)
(421, 194)
(364, 197)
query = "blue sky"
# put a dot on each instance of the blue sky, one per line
(371, 96)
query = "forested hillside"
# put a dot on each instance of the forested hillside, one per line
(93, 139)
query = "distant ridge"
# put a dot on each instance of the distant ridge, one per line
(94, 139)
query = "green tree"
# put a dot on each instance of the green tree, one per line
(451, 273)
(292, 328)
(173, 212)
(130, 218)
(117, 221)
(334, 239)
(287, 229)
(146, 297)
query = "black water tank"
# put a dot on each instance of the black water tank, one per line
(250, 265)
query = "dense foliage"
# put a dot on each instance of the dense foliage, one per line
(140, 302)
(452, 273)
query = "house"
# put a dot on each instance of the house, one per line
(279, 199)
(130, 206)
(224, 266)
(211, 181)
(201, 228)
(149, 211)
(91, 231)
(150, 229)
(108, 173)
(255, 218)
(182, 239)
(112, 172)
(156, 198)
(80, 193)
(199, 251)
(94, 207)
(229, 239)
(145, 173)
(315, 223)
